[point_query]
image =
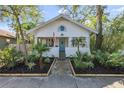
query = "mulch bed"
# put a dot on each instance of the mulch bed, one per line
(98, 69)
(22, 68)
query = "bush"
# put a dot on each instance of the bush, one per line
(115, 60)
(10, 57)
(83, 61)
(47, 60)
(80, 64)
(109, 59)
(30, 65)
(100, 56)
(33, 56)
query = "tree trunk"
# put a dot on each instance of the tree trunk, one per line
(40, 62)
(16, 14)
(17, 38)
(22, 37)
(99, 36)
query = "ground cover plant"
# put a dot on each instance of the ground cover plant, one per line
(100, 63)
(13, 61)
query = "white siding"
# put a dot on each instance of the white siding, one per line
(54, 51)
(72, 51)
(72, 30)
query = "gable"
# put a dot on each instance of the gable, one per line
(64, 17)
(71, 29)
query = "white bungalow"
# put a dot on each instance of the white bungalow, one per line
(59, 34)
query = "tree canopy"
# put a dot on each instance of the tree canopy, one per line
(20, 18)
(29, 17)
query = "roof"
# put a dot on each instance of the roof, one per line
(5, 33)
(65, 17)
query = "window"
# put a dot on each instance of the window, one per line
(81, 41)
(61, 28)
(73, 41)
(50, 42)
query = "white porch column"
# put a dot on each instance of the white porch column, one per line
(54, 41)
(87, 42)
(69, 41)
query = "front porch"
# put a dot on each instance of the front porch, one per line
(63, 45)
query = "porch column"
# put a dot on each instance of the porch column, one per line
(54, 42)
(69, 41)
(87, 42)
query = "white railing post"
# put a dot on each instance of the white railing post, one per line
(69, 41)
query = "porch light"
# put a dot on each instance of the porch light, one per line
(62, 34)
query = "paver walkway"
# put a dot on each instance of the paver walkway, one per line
(61, 77)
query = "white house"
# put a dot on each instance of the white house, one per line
(60, 33)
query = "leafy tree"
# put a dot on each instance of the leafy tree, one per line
(84, 14)
(16, 16)
(77, 12)
(113, 36)
(117, 24)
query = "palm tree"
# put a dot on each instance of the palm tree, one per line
(79, 41)
(40, 48)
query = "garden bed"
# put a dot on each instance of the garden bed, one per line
(22, 70)
(98, 70)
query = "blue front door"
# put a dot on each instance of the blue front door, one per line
(62, 48)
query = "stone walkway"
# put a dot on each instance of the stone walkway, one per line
(61, 77)
(61, 67)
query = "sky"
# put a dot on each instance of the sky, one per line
(50, 11)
